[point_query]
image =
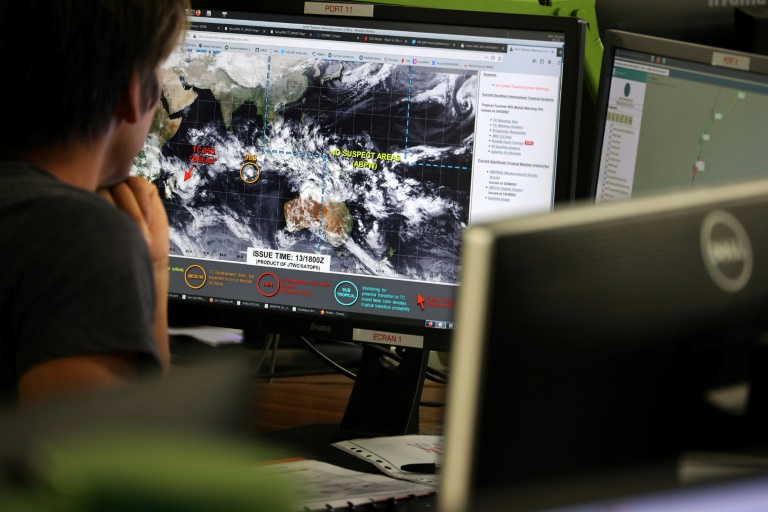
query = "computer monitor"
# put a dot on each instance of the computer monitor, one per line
(709, 22)
(600, 336)
(677, 115)
(319, 162)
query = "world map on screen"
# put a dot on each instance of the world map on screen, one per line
(367, 163)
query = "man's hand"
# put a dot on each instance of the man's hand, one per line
(141, 201)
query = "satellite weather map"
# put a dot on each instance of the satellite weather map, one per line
(362, 166)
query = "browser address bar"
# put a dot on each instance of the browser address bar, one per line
(341, 46)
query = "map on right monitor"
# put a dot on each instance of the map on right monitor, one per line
(675, 115)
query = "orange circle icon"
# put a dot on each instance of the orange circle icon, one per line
(198, 277)
(247, 175)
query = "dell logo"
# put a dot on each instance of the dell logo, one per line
(319, 328)
(726, 251)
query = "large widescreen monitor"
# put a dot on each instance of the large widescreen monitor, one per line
(676, 115)
(603, 337)
(319, 162)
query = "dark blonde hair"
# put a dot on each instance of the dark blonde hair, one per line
(68, 61)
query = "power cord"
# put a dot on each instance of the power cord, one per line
(432, 374)
(325, 359)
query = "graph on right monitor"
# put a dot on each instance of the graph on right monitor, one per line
(676, 115)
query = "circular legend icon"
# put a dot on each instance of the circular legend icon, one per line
(268, 284)
(346, 293)
(195, 277)
(250, 172)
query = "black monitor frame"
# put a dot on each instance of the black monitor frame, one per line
(591, 339)
(386, 413)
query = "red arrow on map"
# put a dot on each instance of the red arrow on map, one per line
(420, 301)
(188, 174)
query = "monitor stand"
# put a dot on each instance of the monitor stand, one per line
(385, 397)
(271, 343)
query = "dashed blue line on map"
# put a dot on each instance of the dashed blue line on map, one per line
(322, 204)
(408, 111)
(266, 98)
(293, 153)
(444, 166)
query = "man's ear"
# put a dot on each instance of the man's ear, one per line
(129, 104)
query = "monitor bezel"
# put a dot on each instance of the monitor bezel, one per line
(184, 313)
(591, 236)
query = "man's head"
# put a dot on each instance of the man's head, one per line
(68, 62)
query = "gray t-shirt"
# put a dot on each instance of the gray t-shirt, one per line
(77, 278)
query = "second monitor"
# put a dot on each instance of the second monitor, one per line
(676, 115)
(601, 336)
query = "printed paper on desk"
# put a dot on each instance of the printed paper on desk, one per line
(389, 454)
(326, 486)
(213, 336)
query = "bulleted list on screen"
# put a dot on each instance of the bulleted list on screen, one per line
(621, 138)
(515, 145)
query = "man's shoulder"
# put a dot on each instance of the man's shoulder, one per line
(24, 188)
(20, 181)
(39, 212)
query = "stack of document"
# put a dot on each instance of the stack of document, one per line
(327, 487)
(415, 458)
